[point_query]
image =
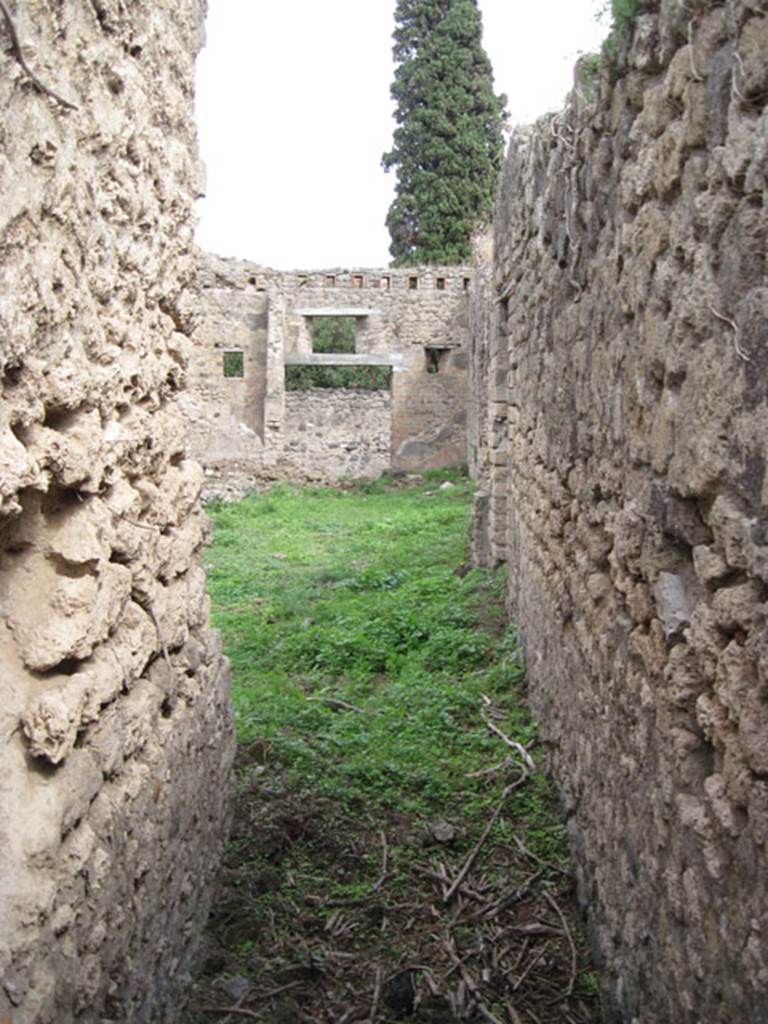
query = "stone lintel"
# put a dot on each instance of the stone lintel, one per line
(335, 311)
(393, 359)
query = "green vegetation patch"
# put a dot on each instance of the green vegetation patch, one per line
(388, 812)
(359, 378)
(333, 333)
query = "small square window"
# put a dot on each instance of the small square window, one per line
(301, 280)
(440, 284)
(233, 364)
(358, 281)
(330, 280)
(413, 283)
(467, 283)
(386, 282)
(435, 359)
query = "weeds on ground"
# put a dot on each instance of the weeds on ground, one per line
(384, 746)
(355, 645)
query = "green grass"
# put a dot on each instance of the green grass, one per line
(326, 596)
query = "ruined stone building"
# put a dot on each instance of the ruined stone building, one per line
(255, 322)
(613, 337)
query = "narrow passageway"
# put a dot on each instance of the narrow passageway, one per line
(397, 851)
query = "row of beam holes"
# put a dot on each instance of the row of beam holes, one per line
(359, 281)
(384, 282)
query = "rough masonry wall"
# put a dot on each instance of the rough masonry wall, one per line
(115, 731)
(251, 429)
(632, 343)
(344, 433)
(226, 414)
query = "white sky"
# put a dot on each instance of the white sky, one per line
(294, 114)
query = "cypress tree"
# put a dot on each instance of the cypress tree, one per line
(448, 144)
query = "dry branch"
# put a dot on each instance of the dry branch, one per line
(238, 1011)
(334, 702)
(486, 832)
(528, 761)
(376, 995)
(574, 957)
(18, 54)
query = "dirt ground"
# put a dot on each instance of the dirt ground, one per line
(326, 916)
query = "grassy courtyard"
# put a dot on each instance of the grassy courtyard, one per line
(397, 851)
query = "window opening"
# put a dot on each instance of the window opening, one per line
(233, 364)
(330, 280)
(334, 333)
(386, 282)
(356, 378)
(435, 359)
(358, 281)
(413, 283)
(467, 283)
(440, 284)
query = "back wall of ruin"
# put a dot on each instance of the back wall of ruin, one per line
(249, 427)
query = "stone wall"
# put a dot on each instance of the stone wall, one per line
(226, 415)
(624, 442)
(342, 432)
(116, 739)
(250, 429)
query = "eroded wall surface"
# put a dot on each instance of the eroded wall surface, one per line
(115, 731)
(627, 449)
(249, 429)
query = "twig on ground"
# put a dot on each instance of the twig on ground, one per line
(18, 54)
(513, 744)
(472, 986)
(445, 881)
(531, 965)
(490, 910)
(485, 1012)
(574, 957)
(238, 1011)
(500, 767)
(422, 969)
(514, 1016)
(486, 832)
(536, 928)
(539, 860)
(334, 702)
(376, 995)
